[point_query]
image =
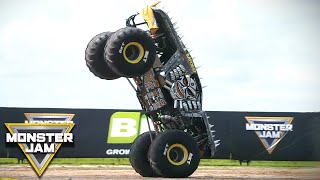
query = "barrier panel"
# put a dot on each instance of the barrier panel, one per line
(244, 135)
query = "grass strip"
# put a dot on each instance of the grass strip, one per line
(204, 162)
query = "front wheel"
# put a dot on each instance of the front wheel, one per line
(130, 52)
(174, 154)
(95, 59)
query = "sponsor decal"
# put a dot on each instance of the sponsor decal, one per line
(125, 127)
(118, 151)
(270, 130)
(40, 137)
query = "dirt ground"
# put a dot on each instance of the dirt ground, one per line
(126, 172)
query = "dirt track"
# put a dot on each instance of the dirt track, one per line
(126, 172)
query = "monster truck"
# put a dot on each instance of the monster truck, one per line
(168, 88)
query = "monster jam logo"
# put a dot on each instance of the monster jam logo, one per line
(270, 130)
(41, 136)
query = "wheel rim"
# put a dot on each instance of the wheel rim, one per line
(133, 52)
(177, 154)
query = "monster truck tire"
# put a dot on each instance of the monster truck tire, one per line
(94, 56)
(130, 52)
(174, 154)
(138, 155)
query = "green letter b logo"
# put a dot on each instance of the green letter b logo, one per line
(123, 127)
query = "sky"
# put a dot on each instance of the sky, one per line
(254, 55)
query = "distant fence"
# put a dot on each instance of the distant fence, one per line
(244, 135)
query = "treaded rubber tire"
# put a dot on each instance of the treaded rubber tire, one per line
(166, 145)
(138, 155)
(95, 59)
(130, 52)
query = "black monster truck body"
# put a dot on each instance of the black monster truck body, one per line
(169, 91)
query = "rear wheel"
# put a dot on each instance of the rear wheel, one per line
(138, 156)
(130, 52)
(175, 154)
(95, 59)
